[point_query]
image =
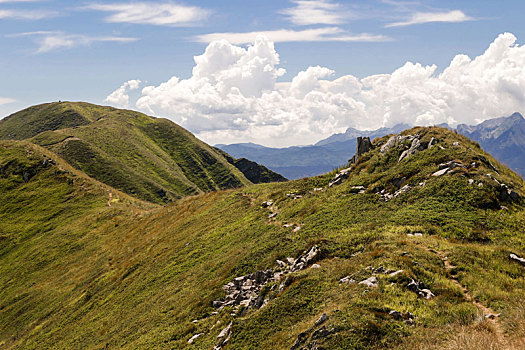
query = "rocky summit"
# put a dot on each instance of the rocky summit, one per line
(418, 242)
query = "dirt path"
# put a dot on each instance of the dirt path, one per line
(488, 314)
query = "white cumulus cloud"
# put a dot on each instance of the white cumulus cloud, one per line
(120, 97)
(233, 95)
(155, 13)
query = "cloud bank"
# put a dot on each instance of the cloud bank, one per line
(233, 95)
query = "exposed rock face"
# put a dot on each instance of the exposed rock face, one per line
(363, 145)
(415, 147)
(247, 290)
(339, 177)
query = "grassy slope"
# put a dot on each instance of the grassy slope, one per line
(137, 280)
(149, 158)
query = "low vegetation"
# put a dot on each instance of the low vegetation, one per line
(89, 270)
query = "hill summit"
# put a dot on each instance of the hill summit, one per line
(150, 158)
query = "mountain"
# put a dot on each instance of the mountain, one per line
(503, 137)
(150, 158)
(422, 252)
(298, 162)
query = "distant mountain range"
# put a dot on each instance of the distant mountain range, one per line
(303, 161)
(503, 137)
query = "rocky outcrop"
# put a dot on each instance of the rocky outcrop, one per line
(340, 176)
(248, 291)
(363, 146)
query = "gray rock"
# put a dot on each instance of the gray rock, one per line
(346, 279)
(192, 339)
(267, 204)
(396, 315)
(440, 172)
(431, 143)
(370, 282)
(517, 258)
(272, 215)
(394, 274)
(321, 320)
(426, 293)
(415, 147)
(363, 146)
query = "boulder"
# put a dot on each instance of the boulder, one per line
(370, 282)
(394, 274)
(415, 147)
(192, 339)
(346, 279)
(441, 172)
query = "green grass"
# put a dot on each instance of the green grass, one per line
(149, 158)
(135, 276)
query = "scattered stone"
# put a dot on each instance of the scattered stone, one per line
(396, 315)
(455, 144)
(223, 337)
(492, 316)
(422, 292)
(370, 282)
(431, 143)
(192, 339)
(321, 320)
(317, 189)
(247, 290)
(394, 274)
(287, 225)
(347, 280)
(315, 266)
(363, 146)
(480, 184)
(339, 177)
(404, 189)
(297, 229)
(418, 234)
(301, 338)
(470, 181)
(322, 332)
(267, 204)
(272, 215)
(517, 258)
(358, 189)
(441, 172)
(426, 293)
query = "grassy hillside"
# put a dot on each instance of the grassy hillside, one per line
(130, 277)
(152, 159)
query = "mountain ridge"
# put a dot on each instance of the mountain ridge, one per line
(150, 158)
(359, 264)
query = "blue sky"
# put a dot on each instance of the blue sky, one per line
(84, 50)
